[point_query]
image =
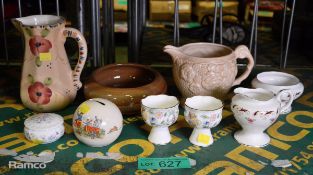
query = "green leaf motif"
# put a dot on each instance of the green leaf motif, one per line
(29, 31)
(48, 81)
(38, 62)
(30, 78)
(205, 116)
(45, 32)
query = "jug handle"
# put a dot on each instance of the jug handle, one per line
(242, 52)
(279, 98)
(82, 47)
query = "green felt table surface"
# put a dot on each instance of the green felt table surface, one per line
(291, 138)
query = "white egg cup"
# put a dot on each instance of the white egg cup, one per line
(203, 113)
(160, 111)
(278, 81)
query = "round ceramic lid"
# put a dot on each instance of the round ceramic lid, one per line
(43, 121)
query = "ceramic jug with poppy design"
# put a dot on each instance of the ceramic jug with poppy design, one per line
(48, 83)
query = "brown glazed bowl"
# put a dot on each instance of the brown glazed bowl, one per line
(125, 85)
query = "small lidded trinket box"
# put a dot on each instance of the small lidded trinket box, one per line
(44, 128)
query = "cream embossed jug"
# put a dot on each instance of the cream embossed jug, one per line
(48, 83)
(207, 69)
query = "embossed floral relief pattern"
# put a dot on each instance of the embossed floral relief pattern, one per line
(203, 77)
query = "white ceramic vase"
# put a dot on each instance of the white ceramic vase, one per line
(256, 110)
(159, 111)
(203, 113)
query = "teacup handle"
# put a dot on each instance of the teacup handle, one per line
(242, 52)
(82, 48)
(279, 98)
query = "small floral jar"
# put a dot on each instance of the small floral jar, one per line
(44, 128)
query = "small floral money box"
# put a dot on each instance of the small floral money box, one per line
(97, 122)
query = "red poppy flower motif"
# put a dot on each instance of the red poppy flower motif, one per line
(39, 93)
(39, 45)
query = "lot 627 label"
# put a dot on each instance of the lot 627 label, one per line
(163, 163)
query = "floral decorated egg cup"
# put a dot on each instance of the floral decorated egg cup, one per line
(160, 111)
(203, 113)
